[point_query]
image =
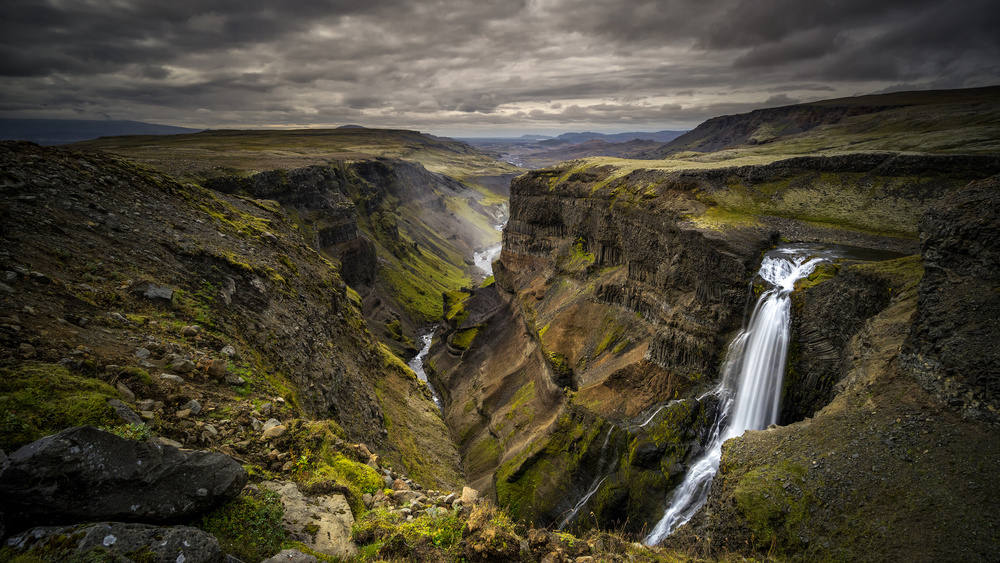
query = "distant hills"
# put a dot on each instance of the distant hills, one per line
(936, 121)
(62, 131)
(576, 138)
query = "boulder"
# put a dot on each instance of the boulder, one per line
(140, 542)
(85, 474)
(322, 523)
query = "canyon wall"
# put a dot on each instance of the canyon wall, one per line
(616, 292)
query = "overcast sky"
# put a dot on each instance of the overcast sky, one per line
(476, 67)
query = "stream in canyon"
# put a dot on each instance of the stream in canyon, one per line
(417, 365)
(749, 392)
(483, 260)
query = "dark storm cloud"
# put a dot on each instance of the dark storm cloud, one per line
(447, 64)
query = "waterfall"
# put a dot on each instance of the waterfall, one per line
(750, 389)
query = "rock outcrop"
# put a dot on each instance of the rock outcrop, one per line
(84, 474)
(125, 541)
(952, 348)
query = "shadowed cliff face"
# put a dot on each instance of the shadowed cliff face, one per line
(616, 294)
(952, 349)
(402, 233)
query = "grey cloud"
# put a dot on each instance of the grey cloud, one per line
(469, 63)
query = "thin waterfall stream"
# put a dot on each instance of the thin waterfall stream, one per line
(750, 389)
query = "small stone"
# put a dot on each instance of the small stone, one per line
(159, 293)
(190, 331)
(147, 415)
(183, 365)
(400, 485)
(193, 406)
(256, 425)
(288, 466)
(216, 368)
(469, 496)
(233, 379)
(27, 350)
(276, 432)
(271, 423)
(29, 310)
(169, 442)
(125, 392)
(228, 351)
(141, 353)
(172, 377)
(183, 413)
(6, 288)
(270, 237)
(367, 499)
(212, 430)
(124, 412)
(145, 404)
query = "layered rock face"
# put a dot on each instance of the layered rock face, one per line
(616, 292)
(607, 303)
(952, 348)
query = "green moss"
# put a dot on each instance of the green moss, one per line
(248, 527)
(377, 528)
(541, 475)
(483, 455)
(578, 259)
(41, 399)
(454, 306)
(560, 365)
(774, 500)
(462, 339)
(820, 274)
(287, 262)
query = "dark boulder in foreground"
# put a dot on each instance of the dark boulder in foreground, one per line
(84, 474)
(130, 542)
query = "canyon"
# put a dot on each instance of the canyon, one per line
(575, 383)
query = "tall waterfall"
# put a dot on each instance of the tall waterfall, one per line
(750, 390)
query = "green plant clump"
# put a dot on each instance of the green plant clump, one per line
(249, 527)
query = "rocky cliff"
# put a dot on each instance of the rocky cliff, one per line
(577, 375)
(120, 282)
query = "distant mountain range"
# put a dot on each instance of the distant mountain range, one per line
(62, 131)
(575, 138)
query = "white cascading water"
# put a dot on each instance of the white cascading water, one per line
(750, 390)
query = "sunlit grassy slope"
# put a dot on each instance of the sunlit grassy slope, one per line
(210, 153)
